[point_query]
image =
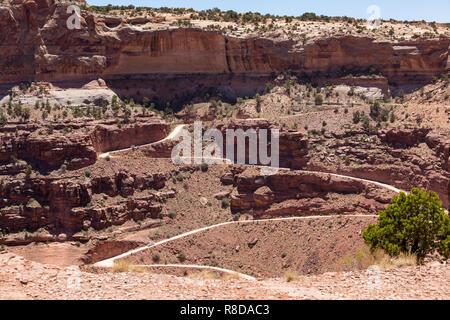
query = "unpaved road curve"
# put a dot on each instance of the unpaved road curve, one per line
(178, 128)
(192, 266)
(171, 136)
(109, 263)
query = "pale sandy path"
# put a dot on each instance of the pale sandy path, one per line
(193, 266)
(171, 136)
(109, 263)
(174, 134)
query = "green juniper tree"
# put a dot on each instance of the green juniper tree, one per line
(414, 223)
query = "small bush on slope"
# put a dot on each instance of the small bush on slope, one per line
(413, 223)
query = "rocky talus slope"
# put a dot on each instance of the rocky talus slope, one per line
(303, 193)
(74, 143)
(61, 202)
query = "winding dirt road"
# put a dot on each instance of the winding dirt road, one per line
(108, 263)
(174, 134)
(191, 266)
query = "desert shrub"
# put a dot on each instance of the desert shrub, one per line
(181, 257)
(351, 92)
(363, 258)
(204, 167)
(392, 117)
(3, 119)
(172, 214)
(375, 110)
(366, 123)
(445, 78)
(225, 203)
(32, 202)
(26, 113)
(356, 117)
(291, 276)
(318, 100)
(414, 223)
(121, 266)
(155, 258)
(258, 103)
(28, 171)
(87, 173)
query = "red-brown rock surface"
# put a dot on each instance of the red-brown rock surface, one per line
(110, 137)
(404, 158)
(66, 204)
(24, 279)
(78, 148)
(297, 193)
(37, 45)
(50, 150)
(293, 145)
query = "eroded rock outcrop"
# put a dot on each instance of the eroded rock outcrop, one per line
(298, 193)
(37, 45)
(73, 204)
(293, 145)
(402, 157)
(111, 137)
(49, 150)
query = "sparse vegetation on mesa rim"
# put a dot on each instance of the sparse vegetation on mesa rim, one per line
(294, 27)
(215, 14)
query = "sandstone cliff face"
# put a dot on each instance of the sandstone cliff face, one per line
(77, 148)
(303, 193)
(411, 62)
(66, 204)
(401, 157)
(110, 137)
(37, 45)
(293, 146)
(49, 151)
